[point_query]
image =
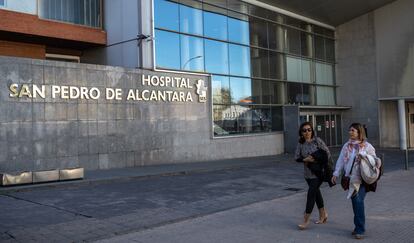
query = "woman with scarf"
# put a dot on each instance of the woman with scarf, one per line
(349, 162)
(308, 145)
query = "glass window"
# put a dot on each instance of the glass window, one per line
(1, 3)
(330, 50)
(241, 90)
(239, 31)
(221, 89)
(27, 6)
(191, 20)
(306, 44)
(167, 49)
(215, 25)
(325, 95)
(294, 93)
(276, 65)
(293, 69)
(273, 92)
(305, 68)
(216, 57)
(258, 32)
(319, 48)
(257, 91)
(277, 118)
(239, 60)
(238, 6)
(219, 3)
(276, 37)
(308, 92)
(293, 41)
(166, 15)
(192, 52)
(324, 73)
(259, 62)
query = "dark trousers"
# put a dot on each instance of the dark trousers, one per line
(314, 195)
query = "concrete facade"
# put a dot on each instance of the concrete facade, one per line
(356, 74)
(55, 133)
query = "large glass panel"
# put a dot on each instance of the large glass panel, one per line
(293, 69)
(221, 89)
(241, 90)
(219, 3)
(257, 91)
(306, 44)
(27, 6)
(258, 32)
(319, 48)
(167, 49)
(330, 50)
(192, 53)
(239, 60)
(273, 92)
(324, 73)
(305, 68)
(276, 37)
(191, 20)
(308, 93)
(238, 6)
(294, 93)
(239, 30)
(86, 12)
(325, 95)
(216, 57)
(215, 25)
(277, 118)
(293, 41)
(276, 65)
(259, 62)
(166, 15)
(259, 11)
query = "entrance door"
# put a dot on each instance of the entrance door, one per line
(328, 126)
(411, 124)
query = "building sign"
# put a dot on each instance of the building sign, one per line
(154, 88)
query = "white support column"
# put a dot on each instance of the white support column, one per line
(147, 22)
(402, 124)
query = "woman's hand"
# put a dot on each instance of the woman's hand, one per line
(333, 179)
(309, 158)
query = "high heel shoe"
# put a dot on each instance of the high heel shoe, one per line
(323, 216)
(305, 223)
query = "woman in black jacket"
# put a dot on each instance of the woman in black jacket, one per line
(308, 149)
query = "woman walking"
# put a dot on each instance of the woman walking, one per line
(309, 144)
(349, 161)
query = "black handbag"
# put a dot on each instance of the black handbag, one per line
(345, 180)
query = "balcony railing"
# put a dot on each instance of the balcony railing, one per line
(82, 12)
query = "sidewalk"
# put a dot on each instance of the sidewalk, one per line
(389, 211)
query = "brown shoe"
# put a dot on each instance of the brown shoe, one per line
(359, 236)
(305, 223)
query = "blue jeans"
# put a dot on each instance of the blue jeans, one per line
(359, 211)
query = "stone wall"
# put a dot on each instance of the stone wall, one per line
(54, 133)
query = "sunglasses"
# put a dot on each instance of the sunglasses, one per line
(307, 130)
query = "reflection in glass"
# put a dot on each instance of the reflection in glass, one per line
(221, 89)
(238, 119)
(239, 60)
(319, 48)
(191, 20)
(257, 91)
(293, 41)
(259, 62)
(276, 37)
(273, 92)
(215, 25)
(276, 65)
(167, 49)
(241, 90)
(239, 31)
(166, 15)
(216, 57)
(294, 93)
(308, 96)
(258, 32)
(325, 95)
(192, 53)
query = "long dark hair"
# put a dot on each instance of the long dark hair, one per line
(301, 137)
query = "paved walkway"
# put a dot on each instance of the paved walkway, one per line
(390, 218)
